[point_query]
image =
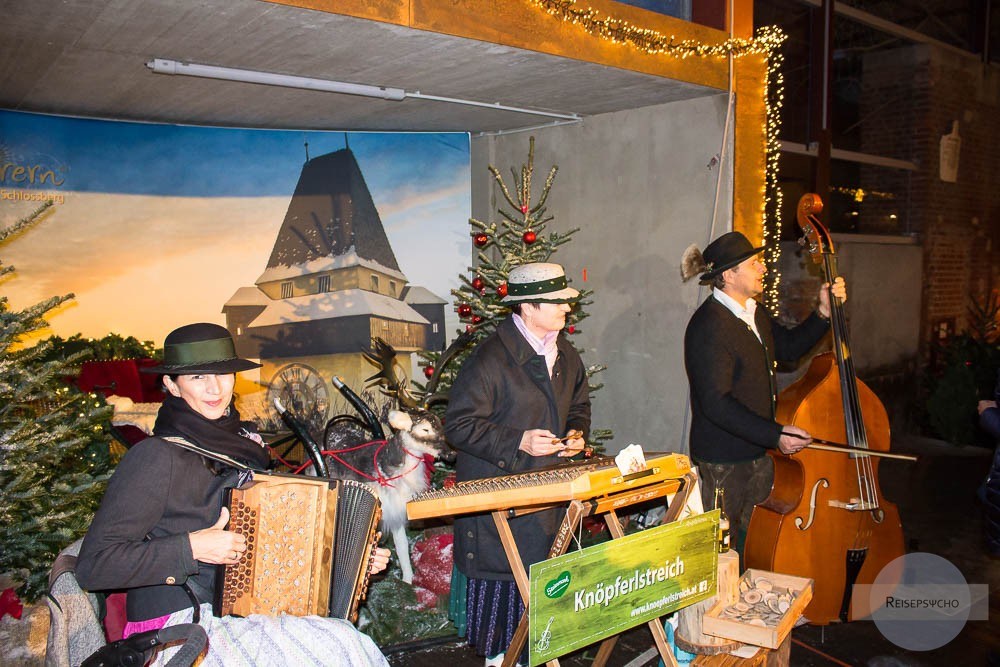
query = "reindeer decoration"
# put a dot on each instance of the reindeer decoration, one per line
(395, 466)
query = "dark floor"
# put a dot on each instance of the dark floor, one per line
(936, 500)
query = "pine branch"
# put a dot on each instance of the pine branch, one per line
(548, 186)
(503, 186)
(25, 222)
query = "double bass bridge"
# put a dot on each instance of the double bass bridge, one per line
(856, 505)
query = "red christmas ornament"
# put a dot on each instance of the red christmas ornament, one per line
(428, 372)
(529, 237)
(476, 319)
(524, 208)
(464, 310)
(469, 328)
(571, 329)
(10, 604)
(477, 283)
(480, 240)
(502, 289)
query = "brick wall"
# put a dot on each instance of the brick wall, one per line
(916, 93)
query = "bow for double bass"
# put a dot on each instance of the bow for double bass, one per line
(826, 445)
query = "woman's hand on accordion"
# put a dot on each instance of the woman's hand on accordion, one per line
(216, 545)
(379, 561)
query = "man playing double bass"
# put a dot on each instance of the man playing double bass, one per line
(731, 349)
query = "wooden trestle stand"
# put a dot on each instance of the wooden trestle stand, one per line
(598, 490)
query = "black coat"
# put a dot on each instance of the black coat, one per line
(732, 379)
(503, 390)
(990, 421)
(164, 492)
(991, 497)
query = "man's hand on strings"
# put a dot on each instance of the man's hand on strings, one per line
(540, 442)
(839, 290)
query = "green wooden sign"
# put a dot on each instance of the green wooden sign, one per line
(584, 596)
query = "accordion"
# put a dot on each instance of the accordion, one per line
(309, 541)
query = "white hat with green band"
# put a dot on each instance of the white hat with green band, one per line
(539, 282)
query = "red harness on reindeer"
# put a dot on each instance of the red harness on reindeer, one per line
(380, 478)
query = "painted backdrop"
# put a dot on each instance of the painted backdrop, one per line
(156, 225)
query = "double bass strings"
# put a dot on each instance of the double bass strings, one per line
(856, 436)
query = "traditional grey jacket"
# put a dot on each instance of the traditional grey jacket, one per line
(139, 537)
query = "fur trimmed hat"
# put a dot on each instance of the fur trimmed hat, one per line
(723, 253)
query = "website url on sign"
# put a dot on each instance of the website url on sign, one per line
(664, 601)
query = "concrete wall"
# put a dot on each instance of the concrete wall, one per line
(883, 306)
(640, 185)
(883, 275)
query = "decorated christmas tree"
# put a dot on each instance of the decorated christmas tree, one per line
(53, 448)
(519, 237)
(396, 612)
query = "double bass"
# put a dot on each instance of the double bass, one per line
(825, 517)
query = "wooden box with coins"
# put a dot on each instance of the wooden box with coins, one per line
(768, 606)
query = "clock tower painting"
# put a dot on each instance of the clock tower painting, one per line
(331, 285)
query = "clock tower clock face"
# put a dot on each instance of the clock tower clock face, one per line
(303, 392)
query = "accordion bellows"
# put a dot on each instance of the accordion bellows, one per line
(309, 542)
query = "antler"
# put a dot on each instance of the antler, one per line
(387, 379)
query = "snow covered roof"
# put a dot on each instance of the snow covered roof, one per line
(328, 305)
(248, 296)
(326, 263)
(421, 295)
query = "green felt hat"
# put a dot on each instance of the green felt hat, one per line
(197, 349)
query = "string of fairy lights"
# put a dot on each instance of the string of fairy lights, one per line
(766, 43)
(858, 195)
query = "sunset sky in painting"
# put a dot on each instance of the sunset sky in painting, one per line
(158, 225)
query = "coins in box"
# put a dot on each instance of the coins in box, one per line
(767, 608)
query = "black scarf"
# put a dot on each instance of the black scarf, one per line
(225, 435)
